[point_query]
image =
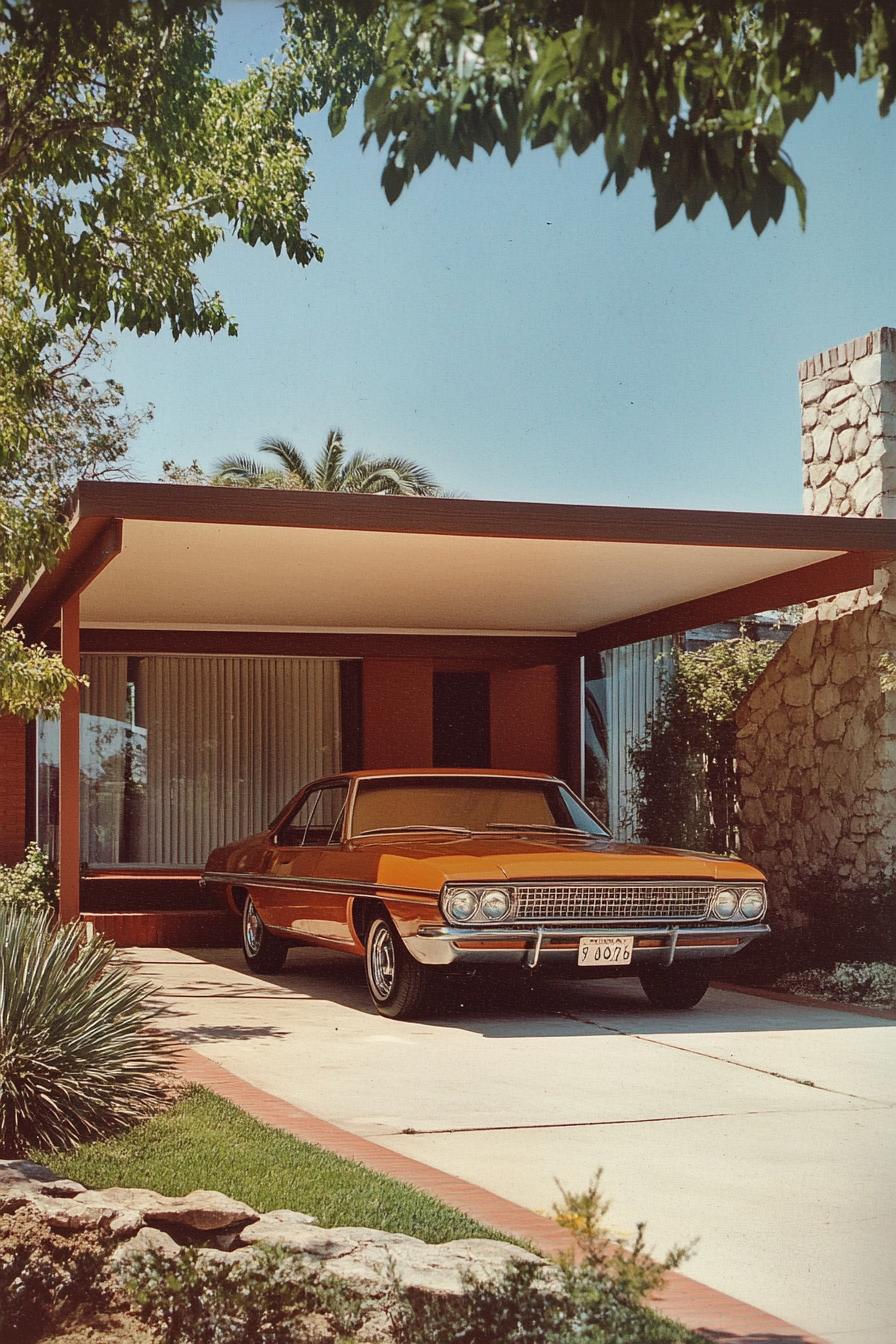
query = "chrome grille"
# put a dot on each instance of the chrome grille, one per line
(620, 901)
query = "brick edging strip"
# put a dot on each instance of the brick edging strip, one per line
(806, 1001)
(685, 1300)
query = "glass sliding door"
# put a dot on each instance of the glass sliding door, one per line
(182, 754)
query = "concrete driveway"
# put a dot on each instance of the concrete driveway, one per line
(764, 1129)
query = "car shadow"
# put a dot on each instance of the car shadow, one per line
(513, 1004)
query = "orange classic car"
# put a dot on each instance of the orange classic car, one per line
(422, 872)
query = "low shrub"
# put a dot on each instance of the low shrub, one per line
(31, 882)
(824, 921)
(77, 1060)
(869, 982)
(45, 1275)
(268, 1298)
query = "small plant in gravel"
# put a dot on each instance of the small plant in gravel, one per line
(77, 1060)
(869, 982)
(31, 882)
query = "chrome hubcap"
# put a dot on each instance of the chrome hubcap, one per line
(252, 929)
(381, 962)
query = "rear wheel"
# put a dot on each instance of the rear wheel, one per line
(673, 986)
(398, 985)
(263, 950)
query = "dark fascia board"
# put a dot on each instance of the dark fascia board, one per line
(513, 650)
(479, 517)
(840, 574)
(93, 543)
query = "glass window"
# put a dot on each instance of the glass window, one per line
(475, 803)
(182, 754)
(317, 820)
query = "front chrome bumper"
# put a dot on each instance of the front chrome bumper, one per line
(555, 945)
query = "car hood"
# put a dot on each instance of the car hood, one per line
(429, 863)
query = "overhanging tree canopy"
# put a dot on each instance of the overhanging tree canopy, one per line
(699, 96)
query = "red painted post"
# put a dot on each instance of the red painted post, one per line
(70, 768)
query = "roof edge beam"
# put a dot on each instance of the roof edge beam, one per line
(518, 650)
(245, 506)
(72, 583)
(842, 573)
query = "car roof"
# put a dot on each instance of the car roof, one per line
(448, 772)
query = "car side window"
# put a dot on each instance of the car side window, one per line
(318, 818)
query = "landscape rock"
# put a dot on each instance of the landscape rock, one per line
(19, 1176)
(146, 1239)
(202, 1210)
(71, 1216)
(367, 1258)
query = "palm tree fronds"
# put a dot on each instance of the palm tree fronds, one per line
(238, 468)
(292, 462)
(328, 469)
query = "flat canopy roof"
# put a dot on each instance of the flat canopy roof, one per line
(206, 559)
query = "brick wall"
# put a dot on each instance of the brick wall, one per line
(12, 790)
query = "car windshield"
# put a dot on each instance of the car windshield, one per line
(469, 803)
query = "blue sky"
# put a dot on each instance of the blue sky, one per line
(526, 337)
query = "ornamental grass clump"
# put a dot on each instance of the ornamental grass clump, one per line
(78, 1060)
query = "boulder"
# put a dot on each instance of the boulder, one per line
(68, 1215)
(146, 1239)
(20, 1177)
(201, 1210)
(370, 1258)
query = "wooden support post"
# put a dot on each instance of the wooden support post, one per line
(70, 768)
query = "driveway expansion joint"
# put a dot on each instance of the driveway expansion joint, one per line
(719, 1059)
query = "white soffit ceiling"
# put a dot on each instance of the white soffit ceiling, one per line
(211, 576)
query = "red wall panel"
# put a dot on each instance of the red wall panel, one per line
(397, 699)
(12, 790)
(525, 719)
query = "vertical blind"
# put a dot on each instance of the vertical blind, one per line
(634, 676)
(229, 741)
(181, 754)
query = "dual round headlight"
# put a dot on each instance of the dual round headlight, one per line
(746, 903)
(463, 905)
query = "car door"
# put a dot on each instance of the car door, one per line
(289, 865)
(326, 902)
(291, 900)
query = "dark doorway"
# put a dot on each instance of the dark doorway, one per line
(461, 719)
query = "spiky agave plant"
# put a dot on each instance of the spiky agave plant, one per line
(76, 1059)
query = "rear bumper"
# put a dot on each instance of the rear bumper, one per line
(555, 945)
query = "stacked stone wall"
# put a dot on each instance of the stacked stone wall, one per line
(817, 734)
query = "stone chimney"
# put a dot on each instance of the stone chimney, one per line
(816, 740)
(848, 398)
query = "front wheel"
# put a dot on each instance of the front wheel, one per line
(398, 985)
(263, 950)
(673, 986)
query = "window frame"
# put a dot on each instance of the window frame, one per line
(283, 822)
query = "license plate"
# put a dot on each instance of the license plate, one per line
(605, 951)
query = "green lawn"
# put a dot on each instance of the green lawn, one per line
(206, 1143)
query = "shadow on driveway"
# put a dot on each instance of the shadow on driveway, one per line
(506, 1005)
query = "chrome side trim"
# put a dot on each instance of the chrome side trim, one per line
(315, 883)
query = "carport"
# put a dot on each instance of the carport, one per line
(238, 642)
